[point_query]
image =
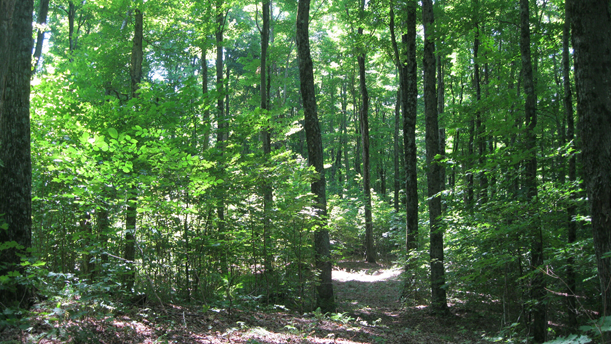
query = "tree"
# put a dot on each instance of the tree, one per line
(591, 26)
(15, 160)
(325, 298)
(438, 297)
(41, 21)
(135, 73)
(364, 128)
(530, 177)
(6, 18)
(409, 98)
(266, 134)
(222, 123)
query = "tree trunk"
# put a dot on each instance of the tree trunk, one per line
(6, 16)
(325, 298)
(364, 126)
(71, 19)
(442, 131)
(15, 158)
(571, 210)
(442, 168)
(41, 20)
(438, 293)
(409, 98)
(220, 103)
(530, 179)
(266, 136)
(132, 205)
(591, 26)
(396, 152)
(206, 117)
(479, 129)
(221, 123)
(103, 225)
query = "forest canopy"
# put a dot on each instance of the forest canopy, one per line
(226, 153)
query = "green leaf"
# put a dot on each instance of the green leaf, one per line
(113, 133)
(571, 339)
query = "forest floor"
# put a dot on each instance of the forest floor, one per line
(369, 311)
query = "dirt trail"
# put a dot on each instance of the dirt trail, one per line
(367, 290)
(371, 293)
(369, 311)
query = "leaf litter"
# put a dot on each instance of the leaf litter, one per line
(369, 311)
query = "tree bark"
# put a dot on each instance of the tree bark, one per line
(409, 98)
(325, 298)
(15, 158)
(537, 291)
(6, 28)
(266, 136)
(591, 41)
(438, 293)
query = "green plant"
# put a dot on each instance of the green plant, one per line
(343, 318)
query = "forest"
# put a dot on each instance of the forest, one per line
(305, 171)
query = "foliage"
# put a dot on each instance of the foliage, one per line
(202, 235)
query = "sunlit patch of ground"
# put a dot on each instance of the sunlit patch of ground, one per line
(363, 276)
(369, 311)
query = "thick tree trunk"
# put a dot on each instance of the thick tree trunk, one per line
(571, 210)
(438, 293)
(591, 26)
(15, 158)
(6, 18)
(530, 178)
(325, 298)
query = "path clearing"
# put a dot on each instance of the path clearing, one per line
(369, 311)
(371, 293)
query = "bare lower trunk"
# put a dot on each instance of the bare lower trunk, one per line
(325, 298)
(438, 292)
(591, 40)
(16, 167)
